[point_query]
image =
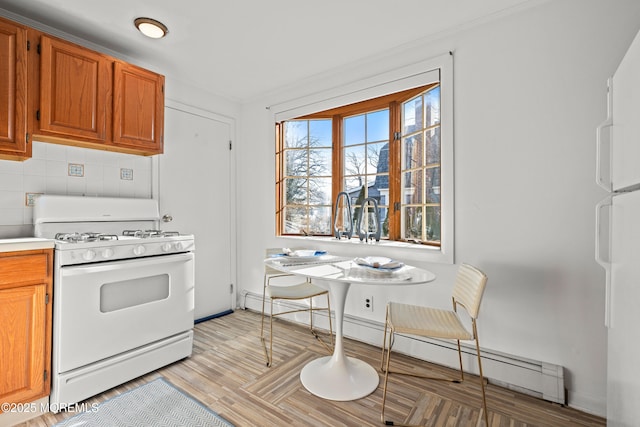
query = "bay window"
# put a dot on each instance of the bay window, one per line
(395, 149)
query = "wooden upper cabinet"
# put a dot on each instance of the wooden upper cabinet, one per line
(138, 108)
(93, 100)
(57, 91)
(75, 92)
(13, 92)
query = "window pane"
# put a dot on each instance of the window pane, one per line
(320, 191)
(295, 134)
(354, 160)
(432, 141)
(320, 132)
(412, 221)
(412, 149)
(433, 223)
(295, 220)
(296, 191)
(320, 162)
(412, 115)
(320, 220)
(412, 187)
(354, 130)
(296, 163)
(376, 152)
(378, 126)
(432, 105)
(432, 184)
(352, 186)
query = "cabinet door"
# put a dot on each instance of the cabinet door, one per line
(25, 325)
(75, 92)
(22, 339)
(13, 92)
(138, 109)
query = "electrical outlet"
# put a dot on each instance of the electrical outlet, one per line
(368, 303)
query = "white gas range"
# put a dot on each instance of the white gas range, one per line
(123, 301)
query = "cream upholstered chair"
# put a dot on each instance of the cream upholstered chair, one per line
(299, 291)
(437, 323)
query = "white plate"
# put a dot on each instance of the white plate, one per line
(379, 263)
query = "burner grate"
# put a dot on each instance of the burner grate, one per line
(84, 237)
(149, 233)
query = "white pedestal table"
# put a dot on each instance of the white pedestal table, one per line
(338, 377)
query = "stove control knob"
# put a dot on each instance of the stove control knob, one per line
(139, 250)
(179, 246)
(89, 255)
(107, 253)
(166, 247)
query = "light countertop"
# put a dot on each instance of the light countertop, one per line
(25, 244)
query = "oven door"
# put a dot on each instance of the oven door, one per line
(105, 309)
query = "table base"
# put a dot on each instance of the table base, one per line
(339, 378)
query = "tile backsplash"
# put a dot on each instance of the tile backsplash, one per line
(60, 169)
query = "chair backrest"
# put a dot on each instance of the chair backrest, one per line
(469, 287)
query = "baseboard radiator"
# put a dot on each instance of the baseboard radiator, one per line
(535, 378)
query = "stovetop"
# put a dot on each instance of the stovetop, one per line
(92, 236)
(96, 247)
(100, 229)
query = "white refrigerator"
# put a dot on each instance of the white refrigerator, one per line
(618, 237)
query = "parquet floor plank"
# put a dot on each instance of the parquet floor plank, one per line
(227, 372)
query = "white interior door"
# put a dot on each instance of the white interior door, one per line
(194, 180)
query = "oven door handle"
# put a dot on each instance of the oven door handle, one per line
(119, 265)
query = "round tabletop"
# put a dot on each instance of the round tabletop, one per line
(343, 269)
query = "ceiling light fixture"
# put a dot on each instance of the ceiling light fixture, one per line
(151, 28)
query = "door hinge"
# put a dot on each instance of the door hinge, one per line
(26, 138)
(46, 374)
(28, 45)
(230, 145)
(396, 206)
(38, 48)
(231, 288)
(46, 299)
(37, 114)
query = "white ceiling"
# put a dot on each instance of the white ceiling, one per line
(241, 49)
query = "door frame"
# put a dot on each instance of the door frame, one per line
(155, 182)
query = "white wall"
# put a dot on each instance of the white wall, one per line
(529, 92)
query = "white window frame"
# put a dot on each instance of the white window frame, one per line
(415, 75)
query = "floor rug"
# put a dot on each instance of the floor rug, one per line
(157, 403)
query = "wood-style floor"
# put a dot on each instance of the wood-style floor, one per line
(227, 373)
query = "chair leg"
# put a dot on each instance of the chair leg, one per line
(460, 360)
(385, 366)
(264, 345)
(484, 397)
(271, 335)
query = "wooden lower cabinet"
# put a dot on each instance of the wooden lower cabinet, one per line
(25, 325)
